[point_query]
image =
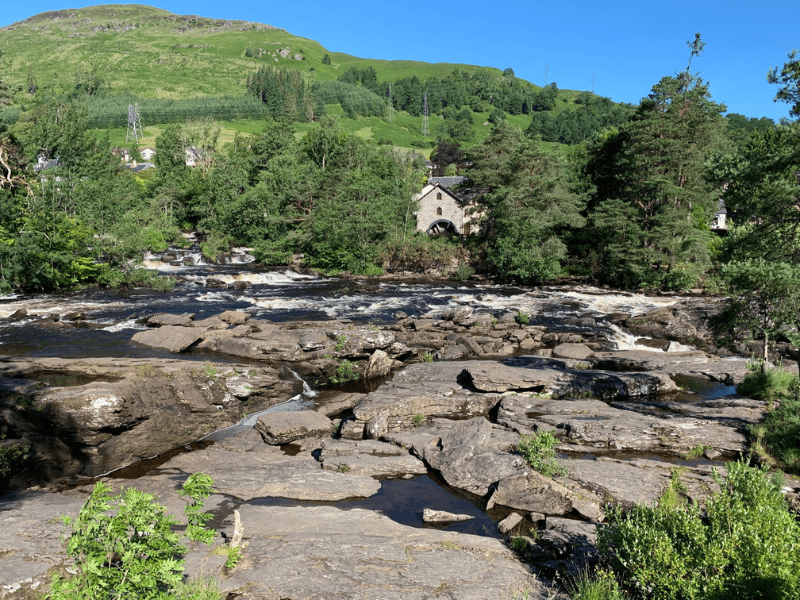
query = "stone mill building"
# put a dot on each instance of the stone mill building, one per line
(442, 211)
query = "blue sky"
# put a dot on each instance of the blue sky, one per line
(626, 45)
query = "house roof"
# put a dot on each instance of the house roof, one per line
(139, 166)
(446, 182)
(46, 165)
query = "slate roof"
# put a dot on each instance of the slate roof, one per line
(446, 182)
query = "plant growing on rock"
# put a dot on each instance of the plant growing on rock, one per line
(522, 318)
(539, 450)
(418, 420)
(345, 372)
(197, 488)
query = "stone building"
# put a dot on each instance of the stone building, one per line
(441, 211)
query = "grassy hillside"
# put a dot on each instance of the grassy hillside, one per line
(147, 52)
(153, 53)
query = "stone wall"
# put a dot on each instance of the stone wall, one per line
(436, 203)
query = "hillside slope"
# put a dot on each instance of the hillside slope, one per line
(153, 53)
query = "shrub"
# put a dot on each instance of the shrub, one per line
(522, 318)
(124, 547)
(197, 488)
(602, 586)
(764, 382)
(345, 372)
(539, 450)
(462, 271)
(745, 546)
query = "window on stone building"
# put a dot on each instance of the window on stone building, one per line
(439, 211)
(439, 196)
(466, 229)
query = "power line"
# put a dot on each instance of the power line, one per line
(425, 119)
(134, 124)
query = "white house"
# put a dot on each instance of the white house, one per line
(147, 154)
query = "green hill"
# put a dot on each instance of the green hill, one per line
(115, 53)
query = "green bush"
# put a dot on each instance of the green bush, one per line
(602, 586)
(124, 547)
(463, 271)
(764, 382)
(197, 488)
(539, 450)
(522, 318)
(745, 545)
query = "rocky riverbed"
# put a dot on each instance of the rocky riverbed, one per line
(406, 484)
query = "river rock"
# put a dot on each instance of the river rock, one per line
(509, 523)
(270, 473)
(532, 491)
(576, 351)
(379, 365)
(690, 363)
(325, 552)
(376, 427)
(543, 376)
(313, 340)
(427, 389)
(129, 409)
(374, 465)
(18, 314)
(441, 516)
(282, 427)
(639, 481)
(173, 338)
(234, 317)
(470, 455)
(592, 425)
(163, 319)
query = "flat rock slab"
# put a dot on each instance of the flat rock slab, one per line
(533, 492)
(575, 351)
(529, 373)
(428, 389)
(639, 481)
(376, 466)
(170, 337)
(270, 473)
(593, 425)
(692, 364)
(308, 553)
(30, 544)
(282, 427)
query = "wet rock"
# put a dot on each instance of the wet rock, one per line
(241, 285)
(379, 365)
(656, 344)
(283, 427)
(172, 338)
(163, 319)
(235, 317)
(440, 516)
(18, 314)
(74, 316)
(351, 429)
(575, 351)
(213, 282)
(509, 523)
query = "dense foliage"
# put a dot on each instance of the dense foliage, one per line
(744, 544)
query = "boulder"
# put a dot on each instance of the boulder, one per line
(235, 317)
(170, 337)
(532, 491)
(282, 427)
(379, 365)
(576, 351)
(162, 319)
(509, 523)
(376, 427)
(313, 340)
(375, 465)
